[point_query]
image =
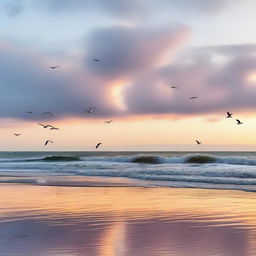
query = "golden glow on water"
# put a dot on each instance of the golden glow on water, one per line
(128, 202)
(117, 221)
(113, 240)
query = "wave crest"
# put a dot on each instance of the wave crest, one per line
(53, 159)
(201, 159)
(61, 158)
(147, 160)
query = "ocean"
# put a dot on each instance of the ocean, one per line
(214, 170)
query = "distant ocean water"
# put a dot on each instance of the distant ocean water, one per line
(217, 170)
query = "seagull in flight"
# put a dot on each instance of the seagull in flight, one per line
(96, 60)
(54, 67)
(194, 97)
(198, 142)
(108, 122)
(47, 113)
(45, 125)
(48, 142)
(238, 121)
(29, 112)
(98, 145)
(16, 134)
(90, 110)
(54, 128)
(229, 115)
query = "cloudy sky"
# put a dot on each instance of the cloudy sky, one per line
(206, 48)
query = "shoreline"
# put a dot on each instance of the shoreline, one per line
(99, 182)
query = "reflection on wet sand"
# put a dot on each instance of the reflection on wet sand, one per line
(125, 221)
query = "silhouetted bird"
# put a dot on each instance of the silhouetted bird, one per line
(98, 145)
(108, 122)
(198, 142)
(192, 98)
(48, 142)
(45, 125)
(90, 110)
(229, 115)
(17, 134)
(238, 121)
(54, 128)
(174, 87)
(96, 60)
(54, 67)
(29, 112)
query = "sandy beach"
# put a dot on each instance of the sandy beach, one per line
(125, 221)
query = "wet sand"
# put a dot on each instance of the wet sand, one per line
(125, 221)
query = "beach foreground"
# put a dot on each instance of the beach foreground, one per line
(122, 221)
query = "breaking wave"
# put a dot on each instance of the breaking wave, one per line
(208, 170)
(144, 159)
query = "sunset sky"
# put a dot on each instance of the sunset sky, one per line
(206, 48)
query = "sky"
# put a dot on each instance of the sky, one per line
(205, 48)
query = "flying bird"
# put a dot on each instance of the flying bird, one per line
(29, 112)
(47, 113)
(239, 122)
(98, 145)
(174, 87)
(17, 134)
(90, 110)
(194, 97)
(229, 115)
(198, 142)
(54, 67)
(48, 142)
(45, 125)
(96, 60)
(54, 128)
(108, 122)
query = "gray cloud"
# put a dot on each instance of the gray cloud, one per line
(219, 86)
(27, 83)
(124, 51)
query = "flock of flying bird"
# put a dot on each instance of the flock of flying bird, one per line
(51, 127)
(229, 115)
(90, 110)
